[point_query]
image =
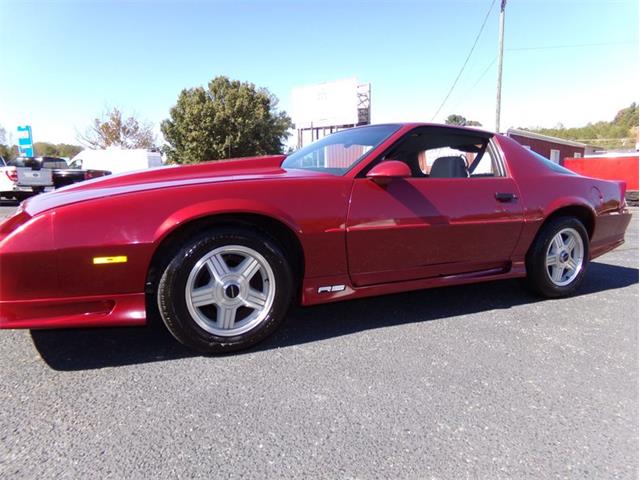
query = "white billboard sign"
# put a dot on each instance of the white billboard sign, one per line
(325, 104)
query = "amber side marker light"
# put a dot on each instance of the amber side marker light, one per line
(106, 260)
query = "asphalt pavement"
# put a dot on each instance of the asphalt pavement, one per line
(481, 381)
(7, 207)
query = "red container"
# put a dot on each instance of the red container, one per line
(623, 167)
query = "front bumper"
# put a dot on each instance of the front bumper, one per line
(94, 311)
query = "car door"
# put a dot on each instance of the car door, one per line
(422, 227)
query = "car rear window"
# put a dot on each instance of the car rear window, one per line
(24, 162)
(54, 163)
(551, 165)
(38, 162)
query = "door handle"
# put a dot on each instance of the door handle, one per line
(506, 197)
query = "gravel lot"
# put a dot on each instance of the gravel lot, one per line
(482, 381)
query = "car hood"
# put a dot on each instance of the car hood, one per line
(253, 168)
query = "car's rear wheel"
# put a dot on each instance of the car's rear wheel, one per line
(558, 259)
(225, 290)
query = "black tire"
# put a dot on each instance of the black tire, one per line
(538, 274)
(171, 291)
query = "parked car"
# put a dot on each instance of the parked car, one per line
(63, 175)
(117, 160)
(22, 177)
(220, 250)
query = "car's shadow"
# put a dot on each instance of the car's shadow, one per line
(4, 202)
(110, 347)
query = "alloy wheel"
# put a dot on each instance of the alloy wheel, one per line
(230, 290)
(565, 257)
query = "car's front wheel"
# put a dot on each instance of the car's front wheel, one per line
(558, 259)
(225, 290)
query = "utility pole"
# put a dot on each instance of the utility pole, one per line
(503, 4)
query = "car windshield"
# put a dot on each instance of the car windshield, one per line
(339, 152)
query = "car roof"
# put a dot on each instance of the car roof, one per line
(430, 124)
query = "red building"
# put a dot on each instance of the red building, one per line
(553, 148)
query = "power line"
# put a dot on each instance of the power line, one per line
(482, 75)
(465, 62)
(577, 45)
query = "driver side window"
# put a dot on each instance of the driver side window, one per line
(435, 152)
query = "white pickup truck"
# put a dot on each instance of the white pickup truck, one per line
(20, 178)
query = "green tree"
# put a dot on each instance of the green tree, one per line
(627, 117)
(68, 150)
(111, 129)
(621, 132)
(226, 119)
(455, 119)
(47, 149)
(8, 152)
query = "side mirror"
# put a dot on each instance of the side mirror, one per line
(386, 171)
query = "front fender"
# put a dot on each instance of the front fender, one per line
(222, 206)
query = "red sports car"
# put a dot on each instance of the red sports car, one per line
(220, 250)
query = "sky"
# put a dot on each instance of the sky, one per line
(566, 61)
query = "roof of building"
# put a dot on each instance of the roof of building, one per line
(546, 138)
